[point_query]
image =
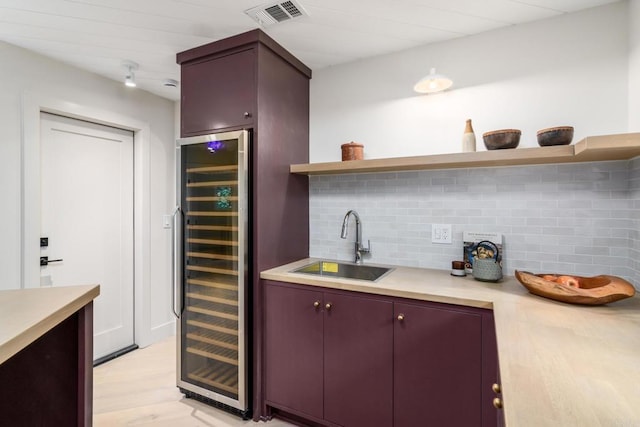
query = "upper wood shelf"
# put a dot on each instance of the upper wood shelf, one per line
(590, 149)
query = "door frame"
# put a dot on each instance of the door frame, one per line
(32, 106)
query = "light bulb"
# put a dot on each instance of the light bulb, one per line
(130, 75)
(433, 83)
(129, 81)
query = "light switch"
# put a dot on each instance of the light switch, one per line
(166, 221)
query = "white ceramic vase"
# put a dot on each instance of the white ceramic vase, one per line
(468, 138)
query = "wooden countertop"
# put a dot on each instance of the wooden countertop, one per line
(27, 314)
(560, 364)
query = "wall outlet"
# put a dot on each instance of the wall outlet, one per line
(441, 233)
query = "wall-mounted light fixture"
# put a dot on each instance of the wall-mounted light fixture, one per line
(130, 76)
(433, 83)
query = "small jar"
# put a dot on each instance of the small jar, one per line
(352, 151)
(457, 269)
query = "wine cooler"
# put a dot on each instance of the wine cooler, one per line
(210, 269)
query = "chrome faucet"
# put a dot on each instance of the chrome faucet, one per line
(359, 249)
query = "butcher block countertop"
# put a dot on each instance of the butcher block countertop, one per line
(560, 364)
(27, 314)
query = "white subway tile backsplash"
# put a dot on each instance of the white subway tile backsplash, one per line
(613, 223)
(576, 241)
(613, 261)
(576, 186)
(528, 230)
(558, 231)
(533, 266)
(621, 233)
(532, 221)
(592, 250)
(567, 268)
(573, 218)
(576, 259)
(592, 213)
(537, 256)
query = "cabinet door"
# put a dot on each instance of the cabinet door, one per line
(358, 360)
(293, 349)
(216, 94)
(490, 372)
(437, 367)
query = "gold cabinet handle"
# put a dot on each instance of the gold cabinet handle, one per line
(496, 388)
(328, 306)
(497, 403)
(316, 304)
(401, 317)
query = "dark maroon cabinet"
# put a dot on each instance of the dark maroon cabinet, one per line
(328, 355)
(358, 360)
(250, 82)
(437, 367)
(349, 359)
(218, 93)
(294, 349)
(491, 416)
(50, 381)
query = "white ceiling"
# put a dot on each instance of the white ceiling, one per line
(97, 35)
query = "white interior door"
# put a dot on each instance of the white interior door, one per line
(87, 214)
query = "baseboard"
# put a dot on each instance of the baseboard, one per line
(115, 354)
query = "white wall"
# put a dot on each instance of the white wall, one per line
(23, 72)
(634, 65)
(570, 70)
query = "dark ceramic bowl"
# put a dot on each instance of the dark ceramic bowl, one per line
(500, 139)
(561, 135)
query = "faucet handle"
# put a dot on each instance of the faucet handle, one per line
(368, 248)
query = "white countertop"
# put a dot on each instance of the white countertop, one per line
(27, 314)
(560, 364)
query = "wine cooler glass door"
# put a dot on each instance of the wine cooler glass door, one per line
(212, 354)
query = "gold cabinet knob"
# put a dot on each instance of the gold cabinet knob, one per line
(401, 317)
(496, 388)
(328, 306)
(316, 304)
(497, 403)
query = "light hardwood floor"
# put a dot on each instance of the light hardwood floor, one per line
(139, 389)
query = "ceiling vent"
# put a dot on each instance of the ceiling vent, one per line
(274, 13)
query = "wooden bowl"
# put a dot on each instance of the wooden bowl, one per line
(561, 135)
(501, 139)
(596, 290)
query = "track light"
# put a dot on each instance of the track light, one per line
(130, 76)
(130, 80)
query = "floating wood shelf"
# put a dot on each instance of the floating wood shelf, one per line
(590, 149)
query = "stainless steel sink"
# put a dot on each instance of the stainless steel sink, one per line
(344, 270)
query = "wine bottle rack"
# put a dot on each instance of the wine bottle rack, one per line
(211, 322)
